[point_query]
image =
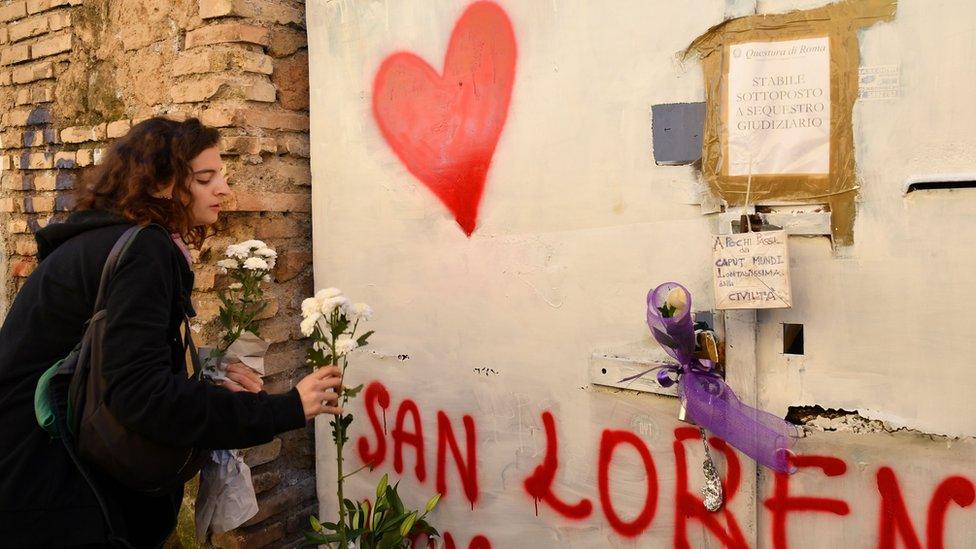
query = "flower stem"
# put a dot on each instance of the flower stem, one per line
(340, 435)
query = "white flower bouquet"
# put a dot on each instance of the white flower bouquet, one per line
(248, 263)
(226, 497)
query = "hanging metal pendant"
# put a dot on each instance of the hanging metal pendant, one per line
(712, 490)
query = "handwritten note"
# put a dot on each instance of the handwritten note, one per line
(751, 271)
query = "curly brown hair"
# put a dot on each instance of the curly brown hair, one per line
(154, 154)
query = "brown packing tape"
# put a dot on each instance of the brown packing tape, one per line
(840, 22)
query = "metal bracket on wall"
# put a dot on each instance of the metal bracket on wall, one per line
(795, 219)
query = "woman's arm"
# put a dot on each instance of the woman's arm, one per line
(142, 392)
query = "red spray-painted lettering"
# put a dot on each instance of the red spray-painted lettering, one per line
(687, 506)
(781, 504)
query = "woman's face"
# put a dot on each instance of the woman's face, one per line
(208, 187)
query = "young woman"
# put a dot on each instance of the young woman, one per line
(162, 172)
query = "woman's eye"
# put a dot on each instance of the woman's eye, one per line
(203, 180)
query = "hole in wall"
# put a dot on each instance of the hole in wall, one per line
(793, 339)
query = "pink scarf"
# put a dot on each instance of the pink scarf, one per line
(183, 248)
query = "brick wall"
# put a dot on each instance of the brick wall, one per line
(75, 74)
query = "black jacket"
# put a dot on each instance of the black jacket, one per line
(43, 499)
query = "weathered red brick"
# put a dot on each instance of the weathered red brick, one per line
(199, 90)
(23, 267)
(291, 77)
(11, 181)
(25, 246)
(37, 6)
(291, 264)
(295, 145)
(32, 73)
(279, 227)
(262, 10)
(17, 53)
(45, 181)
(227, 33)
(81, 134)
(35, 161)
(248, 201)
(39, 204)
(243, 144)
(52, 46)
(285, 41)
(217, 117)
(13, 11)
(284, 361)
(282, 499)
(273, 120)
(18, 226)
(264, 453)
(59, 20)
(28, 28)
(265, 481)
(117, 128)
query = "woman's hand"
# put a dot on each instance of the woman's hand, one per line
(242, 378)
(320, 391)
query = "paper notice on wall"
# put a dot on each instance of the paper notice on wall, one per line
(779, 107)
(881, 82)
(751, 271)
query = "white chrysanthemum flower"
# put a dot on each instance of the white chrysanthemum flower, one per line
(308, 324)
(252, 245)
(320, 345)
(311, 306)
(361, 311)
(345, 345)
(235, 286)
(266, 278)
(255, 263)
(238, 251)
(333, 303)
(271, 262)
(327, 293)
(228, 264)
(265, 252)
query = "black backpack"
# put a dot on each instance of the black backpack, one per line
(69, 404)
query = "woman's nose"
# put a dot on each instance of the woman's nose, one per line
(223, 187)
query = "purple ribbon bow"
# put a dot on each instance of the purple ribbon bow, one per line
(709, 401)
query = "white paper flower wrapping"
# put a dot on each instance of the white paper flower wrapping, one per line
(226, 497)
(249, 349)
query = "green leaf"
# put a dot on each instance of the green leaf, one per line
(339, 327)
(432, 502)
(318, 539)
(361, 340)
(351, 393)
(316, 525)
(390, 540)
(408, 524)
(394, 498)
(381, 489)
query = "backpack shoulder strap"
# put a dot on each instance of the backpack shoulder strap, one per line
(121, 245)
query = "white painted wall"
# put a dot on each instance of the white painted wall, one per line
(577, 223)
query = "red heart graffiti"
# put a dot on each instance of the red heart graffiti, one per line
(444, 127)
